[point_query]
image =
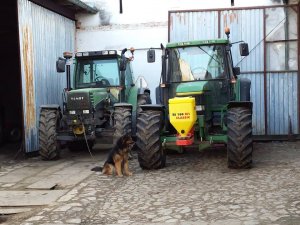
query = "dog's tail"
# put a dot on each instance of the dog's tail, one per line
(97, 169)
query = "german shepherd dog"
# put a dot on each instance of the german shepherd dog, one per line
(117, 160)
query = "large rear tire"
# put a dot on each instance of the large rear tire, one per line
(239, 146)
(48, 124)
(143, 99)
(122, 121)
(151, 155)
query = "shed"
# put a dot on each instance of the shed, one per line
(33, 34)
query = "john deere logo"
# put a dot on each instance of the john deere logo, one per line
(76, 98)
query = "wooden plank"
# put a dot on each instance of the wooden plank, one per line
(29, 198)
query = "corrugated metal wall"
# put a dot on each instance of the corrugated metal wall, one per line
(44, 35)
(275, 94)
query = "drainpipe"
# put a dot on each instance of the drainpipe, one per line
(286, 35)
(121, 7)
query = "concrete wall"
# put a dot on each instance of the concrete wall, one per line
(143, 24)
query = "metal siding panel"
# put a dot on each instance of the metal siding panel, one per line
(282, 103)
(257, 97)
(246, 25)
(186, 26)
(44, 35)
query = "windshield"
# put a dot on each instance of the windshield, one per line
(196, 63)
(97, 72)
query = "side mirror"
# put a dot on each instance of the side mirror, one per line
(123, 63)
(244, 50)
(151, 55)
(61, 65)
(236, 71)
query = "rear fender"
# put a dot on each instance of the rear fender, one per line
(127, 105)
(244, 89)
(234, 104)
(50, 106)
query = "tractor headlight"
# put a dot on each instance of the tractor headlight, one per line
(200, 108)
(72, 112)
(86, 111)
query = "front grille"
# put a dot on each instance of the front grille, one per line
(76, 101)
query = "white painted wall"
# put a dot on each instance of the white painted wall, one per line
(143, 24)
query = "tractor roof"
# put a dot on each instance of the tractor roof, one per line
(98, 53)
(197, 43)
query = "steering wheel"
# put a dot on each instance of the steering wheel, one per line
(103, 81)
(199, 72)
(200, 68)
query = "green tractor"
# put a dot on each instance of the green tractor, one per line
(201, 102)
(101, 105)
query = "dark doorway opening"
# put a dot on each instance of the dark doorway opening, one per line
(10, 80)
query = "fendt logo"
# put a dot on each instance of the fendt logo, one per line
(77, 98)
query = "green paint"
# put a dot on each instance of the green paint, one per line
(132, 97)
(197, 43)
(204, 145)
(197, 86)
(217, 138)
(237, 92)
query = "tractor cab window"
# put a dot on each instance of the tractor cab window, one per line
(196, 63)
(97, 72)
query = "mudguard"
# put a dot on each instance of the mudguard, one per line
(245, 85)
(123, 105)
(50, 106)
(153, 107)
(247, 104)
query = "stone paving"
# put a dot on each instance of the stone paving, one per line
(194, 188)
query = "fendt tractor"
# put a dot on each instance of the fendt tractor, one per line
(201, 101)
(101, 104)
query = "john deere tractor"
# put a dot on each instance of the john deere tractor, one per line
(101, 104)
(201, 101)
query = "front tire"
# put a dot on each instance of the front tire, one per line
(151, 155)
(48, 124)
(122, 121)
(239, 146)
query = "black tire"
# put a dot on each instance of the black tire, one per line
(239, 146)
(48, 124)
(122, 121)
(151, 155)
(143, 99)
(77, 146)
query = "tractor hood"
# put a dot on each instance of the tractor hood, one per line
(191, 88)
(85, 98)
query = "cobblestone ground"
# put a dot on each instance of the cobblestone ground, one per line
(194, 188)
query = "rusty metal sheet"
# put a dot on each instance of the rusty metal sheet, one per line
(44, 36)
